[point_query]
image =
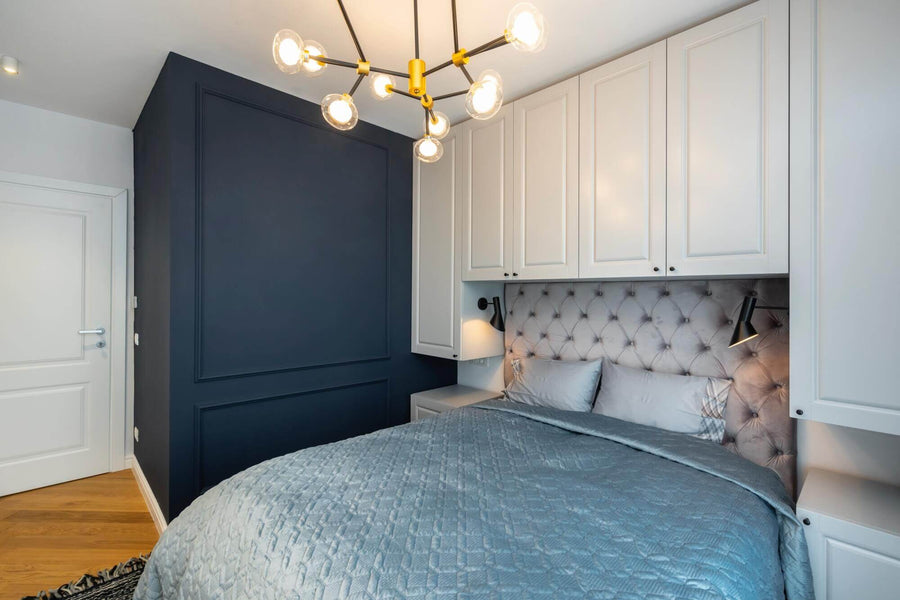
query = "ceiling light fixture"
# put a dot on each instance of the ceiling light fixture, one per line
(525, 31)
(9, 64)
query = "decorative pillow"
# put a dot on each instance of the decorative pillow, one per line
(554, 383)
(691, 405)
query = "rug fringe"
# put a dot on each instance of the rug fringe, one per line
(88, 581)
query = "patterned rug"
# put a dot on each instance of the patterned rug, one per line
(117, 583)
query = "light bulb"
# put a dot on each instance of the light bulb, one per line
(525, 28)
(312, 67)
(382, 86)
(485, 96)
(428, 149)
(439, 126)
(340, 111)
(287, 50)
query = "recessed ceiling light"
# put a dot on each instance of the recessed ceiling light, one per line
(10, 65)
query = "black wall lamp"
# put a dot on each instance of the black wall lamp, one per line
(497, 318)
(744, 329)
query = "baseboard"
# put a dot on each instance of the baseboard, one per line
(149, 499)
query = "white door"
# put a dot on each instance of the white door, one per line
(486, 197)
(728, 144)
(55, 277)
(545, 206)
(622, 200)
(435, 278)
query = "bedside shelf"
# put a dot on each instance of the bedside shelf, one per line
(852, 528)
(433, 402)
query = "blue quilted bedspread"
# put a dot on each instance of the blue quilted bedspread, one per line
(494, 501)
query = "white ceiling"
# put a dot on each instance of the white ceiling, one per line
(99, 58)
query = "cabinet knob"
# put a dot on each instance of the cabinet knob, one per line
(656, 269)
(799, 411)
(671, 268)
(515, 274)
(456, 356)
(806, 521)
(506, 274)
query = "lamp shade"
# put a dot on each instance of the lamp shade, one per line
(744, 329)
(497, 320)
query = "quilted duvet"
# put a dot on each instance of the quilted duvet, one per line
(497, 501)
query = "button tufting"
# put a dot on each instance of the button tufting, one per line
(596, 340)
(779, 324)
(707, 348)
(555, 315)
(613, 317)
(753, 293)
(686, 320)
(521, 292)
(556, 357)
(754, 354)
(510, 313)
(709, 292)
(599, 293)
(687, 373)
(543, 335)
(729, 322)
(754, 415)
(632, 293)
(531, 314)
(531, 354)
(629, 343)
(584, 315)
(571, 292)
(519, 333)
(778, 452)
(570, 338)
(668, 346)
(647, 318)
(544, 292)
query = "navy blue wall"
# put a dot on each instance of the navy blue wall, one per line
(289, 275)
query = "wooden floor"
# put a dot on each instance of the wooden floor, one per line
(56, 534)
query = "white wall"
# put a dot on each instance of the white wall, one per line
(864, 453)
(39, 142)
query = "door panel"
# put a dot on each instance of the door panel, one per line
(487, 197)
(54, 382)
(728, 144)
(622, 200)
(435, 311)
(546, 183)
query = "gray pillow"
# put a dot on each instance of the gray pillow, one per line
(554, 383)
(691, 405)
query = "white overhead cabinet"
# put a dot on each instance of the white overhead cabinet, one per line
(446, 321)
(545, 206)
(622, 197)
(727, 160)
(845, 253)
(486, 197)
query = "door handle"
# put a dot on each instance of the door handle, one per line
(98, 331)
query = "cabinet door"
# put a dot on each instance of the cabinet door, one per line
(845, 262)
(435, 309)
(850, 562)
(486, 197)
(545, 209)
(728, 144)
(622, 199)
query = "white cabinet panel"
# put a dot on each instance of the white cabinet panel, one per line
(728, 144)
(487, 197)
(622, 200)
(845, 256)
(852, 530)
(546, 183)
(435, 312)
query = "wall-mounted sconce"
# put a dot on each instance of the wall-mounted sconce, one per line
(497, 318)
(744, 330)
(9, 64)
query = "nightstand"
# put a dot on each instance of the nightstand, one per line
(853, 531)
(432, 402)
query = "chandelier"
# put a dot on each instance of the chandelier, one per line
(484, 96)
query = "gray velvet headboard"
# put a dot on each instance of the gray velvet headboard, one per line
(679, 327)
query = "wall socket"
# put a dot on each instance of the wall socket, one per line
(137, 434)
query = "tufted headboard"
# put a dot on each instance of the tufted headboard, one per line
(679, 327)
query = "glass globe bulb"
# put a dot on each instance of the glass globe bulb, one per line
(428, 149)
(439, 126)
(382, 86)
(525, 28)
(287, 50)
(312, 67)
(340, 111)
(485, 96)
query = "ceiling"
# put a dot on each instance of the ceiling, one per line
(98, 59)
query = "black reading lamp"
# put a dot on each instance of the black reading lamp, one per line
(744, 329)
(497, 319)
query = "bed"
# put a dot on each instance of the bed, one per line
(504, 500)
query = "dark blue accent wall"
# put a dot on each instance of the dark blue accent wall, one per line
(272, 263)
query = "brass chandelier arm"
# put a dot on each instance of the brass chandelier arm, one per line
(491, 45)
(359, 49)
(416, 26)
(356, 85)
(455, 27)
(451, 95)
(350, 65)
(466, 73)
